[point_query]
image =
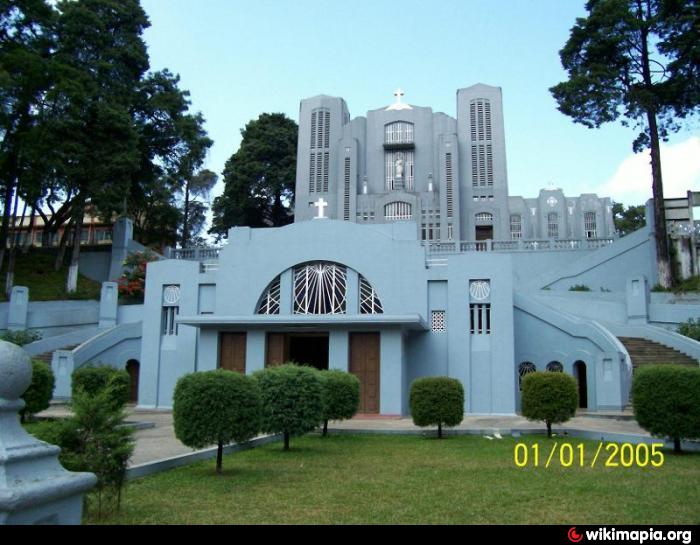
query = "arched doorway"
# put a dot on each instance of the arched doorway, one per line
(132, 367)
(581, 379)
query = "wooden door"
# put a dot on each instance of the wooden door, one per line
(132, 367)
(364, 364)
(232, 351)
(276, 353)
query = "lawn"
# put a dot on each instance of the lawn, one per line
(35, 270)
(410, 479)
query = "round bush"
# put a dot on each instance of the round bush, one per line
(216, 407)
(550, 397)
(666, 401)
(292, 400)
(38, 396)
(437, 401)
(95, 379)
(341, 396)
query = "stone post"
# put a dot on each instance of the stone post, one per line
(637, 300)
(34, 487)
(19, 308)
(122, 233)
(109, 299)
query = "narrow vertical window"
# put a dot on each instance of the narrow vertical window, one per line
(553, 225)
(589, 221)
(480, 319)
(516, 226)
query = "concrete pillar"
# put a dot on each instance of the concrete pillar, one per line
(109, 299)
(19, 308)
(34, 487)
(122, 234)
(637, 300)
(392, 374)
(62, 365)
(339, 350)
(255, 351)
(611, 383)
(286, 289)
(353, 293)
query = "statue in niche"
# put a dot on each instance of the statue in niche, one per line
(399, 166)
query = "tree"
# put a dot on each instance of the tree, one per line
(38, 396)
(629, 220)
(666, 401)
(341, 396)
(292, 400)
(100, 60)
(216, 407)
(195, 194)
(550, 397)
(259, 178)
(437, 401)
(636, 59)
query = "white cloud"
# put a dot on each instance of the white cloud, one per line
(680, 163)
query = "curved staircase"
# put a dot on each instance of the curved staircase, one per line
(645, 352)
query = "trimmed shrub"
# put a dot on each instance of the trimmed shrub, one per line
(216, 407)
(38, 396)
(292, 400)
(690, 329)
(21, 338)
(550, 397)
(95, 379)
(341, 396)
(666, 401)
(437, 401)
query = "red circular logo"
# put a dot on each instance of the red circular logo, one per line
(574, 536)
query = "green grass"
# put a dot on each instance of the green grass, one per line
(408, 480)
(35, 270)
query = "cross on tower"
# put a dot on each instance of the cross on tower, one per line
(321, 205)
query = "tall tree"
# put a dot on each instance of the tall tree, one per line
(635, 59)
(259, 178)
(26, 42)
(195, 196)
(102, 57)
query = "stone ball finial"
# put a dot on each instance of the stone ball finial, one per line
(15, 371)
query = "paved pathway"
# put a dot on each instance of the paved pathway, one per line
(158, 441)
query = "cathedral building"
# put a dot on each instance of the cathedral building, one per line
(409, 258)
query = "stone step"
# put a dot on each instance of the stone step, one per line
(48, 356)
(646, 352)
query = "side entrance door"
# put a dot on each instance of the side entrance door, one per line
(232, 348)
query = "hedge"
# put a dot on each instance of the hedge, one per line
(38, 396)
(666, 401)
(95, 379)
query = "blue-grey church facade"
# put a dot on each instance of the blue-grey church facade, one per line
(408, 258)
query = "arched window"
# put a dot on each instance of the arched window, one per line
(369, 300)
(555, 367)
(320, 288)
(270, 301)
(484, 217)
(397, 211)
(553, 225)
(399, 132)
(525, 368)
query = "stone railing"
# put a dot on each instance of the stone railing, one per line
(516, 245)
(193, 254)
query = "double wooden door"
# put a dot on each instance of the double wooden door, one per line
(232, 347)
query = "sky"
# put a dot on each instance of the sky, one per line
(240, 59)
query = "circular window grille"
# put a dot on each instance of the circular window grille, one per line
(525, 368)
(171, 295)
(480, 290)
(555, 367)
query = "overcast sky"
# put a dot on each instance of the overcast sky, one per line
(240, 59)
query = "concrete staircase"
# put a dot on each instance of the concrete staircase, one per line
(47, 356)
(645, 352)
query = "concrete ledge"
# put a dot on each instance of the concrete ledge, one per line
(149, 468)
(595, 435)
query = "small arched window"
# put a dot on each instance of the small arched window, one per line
(484, 217)
(525, 368)
(555, 367)
(399, 132)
